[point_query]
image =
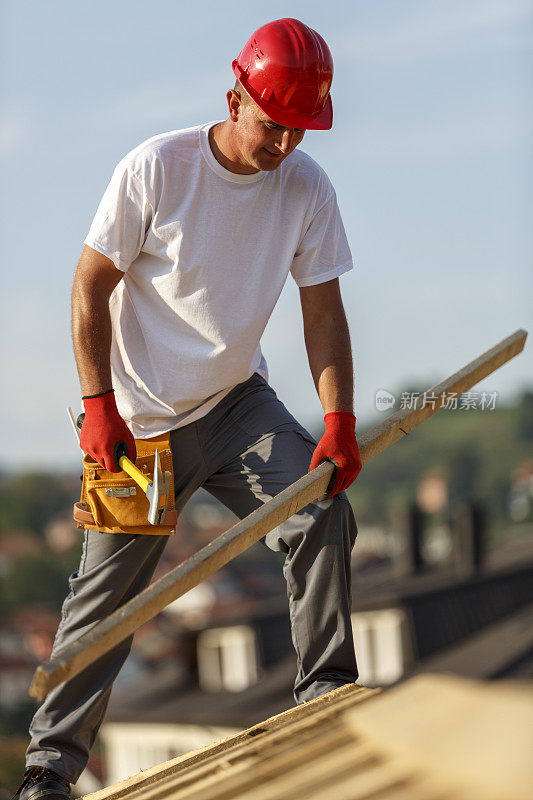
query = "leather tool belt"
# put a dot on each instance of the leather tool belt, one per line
(111, 502)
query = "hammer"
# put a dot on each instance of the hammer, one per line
(156, 490)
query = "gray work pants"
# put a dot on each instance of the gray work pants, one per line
(244, 451)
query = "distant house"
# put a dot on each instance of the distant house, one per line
(26, 638)
(16, 671)
(234, 685)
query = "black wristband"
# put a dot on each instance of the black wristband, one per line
(90, 396)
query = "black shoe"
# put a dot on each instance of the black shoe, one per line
(40, 783)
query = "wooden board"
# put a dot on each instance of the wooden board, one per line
(473, 738)
(292, 725)
(430, 738)
(128, 618)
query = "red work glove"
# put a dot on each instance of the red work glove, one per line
(340, 444)
(103, 429)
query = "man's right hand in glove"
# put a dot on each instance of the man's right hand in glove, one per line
(103, 429)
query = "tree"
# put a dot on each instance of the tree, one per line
(524, 420)
(28, 502)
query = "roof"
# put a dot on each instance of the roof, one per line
(159, 700)
(501, 650)
(432, 738)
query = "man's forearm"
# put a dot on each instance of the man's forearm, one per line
(330, 359)
(91, 336)
(103, 428)
(95, 279)
(327, 339)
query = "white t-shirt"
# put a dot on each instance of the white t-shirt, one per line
(205, 254)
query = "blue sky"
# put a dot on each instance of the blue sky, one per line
(430, 155)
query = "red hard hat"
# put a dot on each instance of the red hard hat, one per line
(286, 68)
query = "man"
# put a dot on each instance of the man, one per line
(182, 267)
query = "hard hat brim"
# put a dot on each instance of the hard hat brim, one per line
(323, 121)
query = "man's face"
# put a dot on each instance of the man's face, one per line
(261, 143)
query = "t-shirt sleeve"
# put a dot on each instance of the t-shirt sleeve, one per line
(122, 219)
(323, 252)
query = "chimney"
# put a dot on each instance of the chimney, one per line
(409, 559)
(468, 530)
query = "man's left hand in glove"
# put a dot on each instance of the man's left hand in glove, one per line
(340, 444)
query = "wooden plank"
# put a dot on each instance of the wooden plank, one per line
(125, 620)
(107, 633)
(402, 788)
(288, 723)
(480, 733)
(232, 775)
(283, 774)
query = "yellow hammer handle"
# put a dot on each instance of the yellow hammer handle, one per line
(129, 467)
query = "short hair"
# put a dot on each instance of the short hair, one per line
(245, 97)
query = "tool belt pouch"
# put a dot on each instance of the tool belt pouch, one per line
(111, 502)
